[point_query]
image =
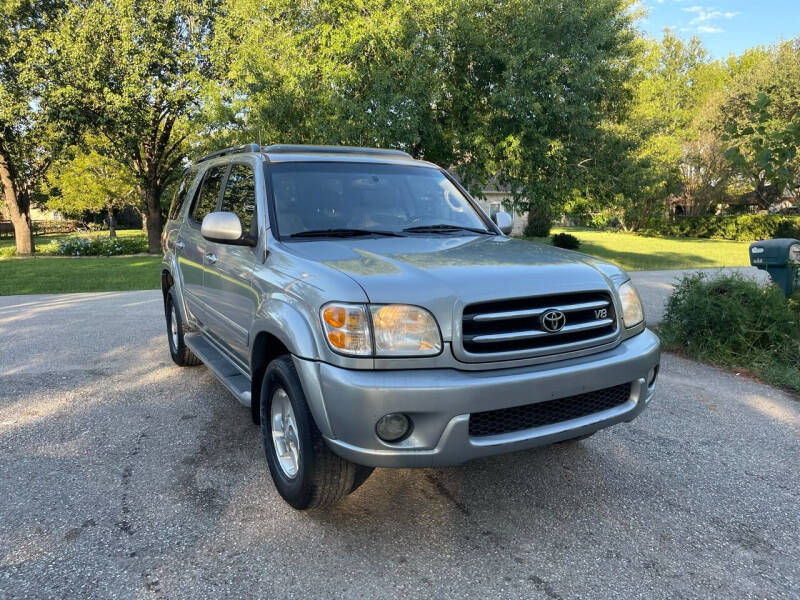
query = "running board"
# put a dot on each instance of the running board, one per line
(220, 365)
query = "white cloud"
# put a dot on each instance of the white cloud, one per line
(706, 18)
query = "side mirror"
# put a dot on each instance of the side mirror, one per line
(225, 228)
(503, 221)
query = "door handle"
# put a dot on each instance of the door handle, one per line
(212, 258)
(179, 244)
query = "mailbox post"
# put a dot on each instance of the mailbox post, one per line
(781, 259)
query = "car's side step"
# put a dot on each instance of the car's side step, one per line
(220, 365)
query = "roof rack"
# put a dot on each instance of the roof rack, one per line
(231, 150)
(310, 149)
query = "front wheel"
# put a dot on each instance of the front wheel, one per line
(180, 353)
(305, 471)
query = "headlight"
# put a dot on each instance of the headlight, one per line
(632, 311)
(397, 330)
(347, 328)
(402, 330)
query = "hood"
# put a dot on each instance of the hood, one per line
(443, 272)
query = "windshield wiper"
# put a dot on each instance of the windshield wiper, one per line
(344, 232)
(445, 228)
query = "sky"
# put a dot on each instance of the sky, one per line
(724, 26)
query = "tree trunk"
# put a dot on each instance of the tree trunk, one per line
(152, 218)
(761, 193)
(23, 233)
(112, 231)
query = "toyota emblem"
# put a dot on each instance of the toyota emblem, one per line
(553, 321)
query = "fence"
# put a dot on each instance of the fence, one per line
(40, 227)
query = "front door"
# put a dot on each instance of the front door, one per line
(229, 292)
(192, 256)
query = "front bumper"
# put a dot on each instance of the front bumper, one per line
(439, 402)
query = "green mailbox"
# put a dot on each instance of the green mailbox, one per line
(781, 259)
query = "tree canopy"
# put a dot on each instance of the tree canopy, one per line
(564, 104)
(517, 90)
(34, 126)
(135, 69)
(89, 180)
(760, 118)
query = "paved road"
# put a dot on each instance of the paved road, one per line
(655, 287)
(123, 476)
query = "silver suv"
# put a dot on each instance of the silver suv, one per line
(370, 314)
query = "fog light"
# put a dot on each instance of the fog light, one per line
(392, 427)
(651, 376)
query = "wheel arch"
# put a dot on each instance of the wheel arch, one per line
(166, 282)
(265, 348)
(283, 330)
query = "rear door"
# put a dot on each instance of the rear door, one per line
(191, 256)
(228, 287)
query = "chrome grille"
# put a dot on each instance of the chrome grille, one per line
(516, 324)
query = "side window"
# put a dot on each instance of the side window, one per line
(240, 197)
(180, 194)
(206, 200)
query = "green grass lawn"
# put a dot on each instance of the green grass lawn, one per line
(639, 253)
(8, 248)
(47, 275)
(42, 275)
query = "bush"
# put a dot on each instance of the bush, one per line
(97, 246)
(743, 228)
(735, 323)
(565, 240)
(540, 220)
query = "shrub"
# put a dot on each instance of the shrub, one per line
(97, 246)
(735, 323)
(565, 240)
(540, 219)
(607, 219)
(744, 228)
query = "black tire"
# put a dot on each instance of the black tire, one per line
(181, 355)
(322, 478)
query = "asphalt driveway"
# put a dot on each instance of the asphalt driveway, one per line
(124, 476)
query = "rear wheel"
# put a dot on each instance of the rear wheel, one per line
(305, 471)
(180, 353)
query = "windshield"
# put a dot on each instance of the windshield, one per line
(363, 198)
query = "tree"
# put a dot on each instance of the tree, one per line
(706, 174)
(517, 89)
(551, 76)
(669, 150)
(91, 182)
(134, 69)
(335, 72)
(32, 127)
(760, 119)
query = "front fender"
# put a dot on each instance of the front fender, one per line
(292, 328)
(289, 325)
